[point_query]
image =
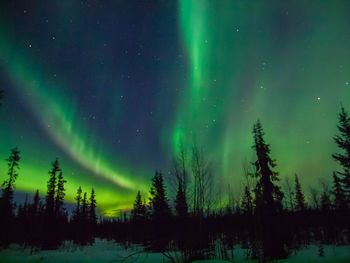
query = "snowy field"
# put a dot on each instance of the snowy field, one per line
(109, 251)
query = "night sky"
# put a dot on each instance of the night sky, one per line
(112, 87)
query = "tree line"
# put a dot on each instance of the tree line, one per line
(269, 220)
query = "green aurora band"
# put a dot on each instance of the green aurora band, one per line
(240, 72)
(58, 116)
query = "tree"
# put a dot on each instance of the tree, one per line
(181, 207)
(247, 201)
(300, 204)
(139, 211)
(84, 209)
(269, 194)
(158, 201)
(343, 142)
(200, 171)
(268, 198)
(92, 209)
(288, 190)
(51, 190)
(6, 200)
(78, 199)
(338, 193)
(60, 194)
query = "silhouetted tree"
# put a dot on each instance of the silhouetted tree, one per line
(92, 209)
(338, 193)
(200, 171)
(53, 221)
(247, 202)
(300, 204)
(60, 194)
(78, 198)
(84, 210)
(6, 200)
(268, 197)
(160, 209)
(181, 207)
(343, 142)
(139, 211)
(51, 191)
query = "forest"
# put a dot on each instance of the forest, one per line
(269, 219)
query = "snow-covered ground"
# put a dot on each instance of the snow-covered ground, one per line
(109, 251)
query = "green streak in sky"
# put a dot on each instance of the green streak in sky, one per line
(57, 114)
(244, 65)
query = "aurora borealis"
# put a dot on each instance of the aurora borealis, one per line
(112, 87)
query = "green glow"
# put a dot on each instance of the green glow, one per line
(58, 115)
(238, 73)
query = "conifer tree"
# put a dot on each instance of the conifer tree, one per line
(84, 209)
(300, 204)
(343, 142)
(51, 190)
(268, 195)
(35, 205)
(92, 209)
(78, 199)
(139, 211)
(268, 198)
(158, 202)
(247, 202)
(60, 194)
(6, 200)
(338, 193)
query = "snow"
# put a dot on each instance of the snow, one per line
(109, 251)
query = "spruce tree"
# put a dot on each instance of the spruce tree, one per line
(139, 211)
(247, 202)
(343, 142)
(60, 194)
(51, 190)
(6, 200)
(92, 209)
(268, 199)
(35, 205)
(158, 202)
(78, 199)
(338, 193)
(268, 195)
(300, 204)
(84, 210)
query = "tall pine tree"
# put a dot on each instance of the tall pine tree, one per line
(268, 198)
(6, 200)
(343, 142)
(92, 209)
(7, 206)
(268, 195)
(158, 201)
(60, 194)
(139, 211)
(338, 193)
(300, 204)
(51, 190)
